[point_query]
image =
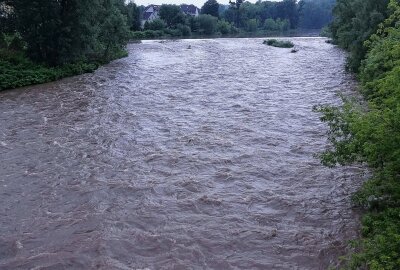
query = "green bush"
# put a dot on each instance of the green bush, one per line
(184, 29)
(137, 35)
(270, 25)
(16, 70)
(252, 25)
(372, 136)
(16, 44)
(207, 24)
(279, 43)
(149, 34)
(173, 32)
(156, 24)
(3, 42)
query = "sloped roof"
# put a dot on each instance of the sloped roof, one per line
(189, 9)
(150, 9)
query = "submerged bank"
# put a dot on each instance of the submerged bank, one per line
(16, 70)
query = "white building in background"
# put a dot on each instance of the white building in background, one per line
(151, 12)
(190, 10)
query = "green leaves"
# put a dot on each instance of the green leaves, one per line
(63, 32)
(370, 133)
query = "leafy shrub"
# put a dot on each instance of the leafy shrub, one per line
(16, 44)
(137, 35)
(149, 34)
(224, 27)
(17, 70)
(372, 136)
(252, 25)
(270, 25)
(185, 30)
(207, 24)
(156, 24)
(173, 32)
(3, 42)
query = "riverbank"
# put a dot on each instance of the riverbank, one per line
(368, 131)
(16, 70)
(152, 35)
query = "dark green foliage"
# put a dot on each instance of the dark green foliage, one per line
(207, 24)
(3, 41)
(137, 35)
(156, 24)
(276, 25)
(370, 133)
(355, 21)
(16, 70)
(60, 32)
(252, 25)
(172, 32)
(224, 27)
(210, 7)
(315, 14)
(279, 43)
(133, 16)
(184, 29)
(7, 18)
(54, 39)
(280, 15)
(16, 43)
(172, 15)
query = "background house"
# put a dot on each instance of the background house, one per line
(151, 12)
(190, 10)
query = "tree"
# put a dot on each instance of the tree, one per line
(207, 24)
(7, 17)
(156, 24)
(65, 31)
(211, 7)
(224, 27)
(133, 16)
(252, 25)
(172, 15)
(315, 14)
(355, 21)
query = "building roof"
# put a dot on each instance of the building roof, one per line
(189, 9)
(149, 10)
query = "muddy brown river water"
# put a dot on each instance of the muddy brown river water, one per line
(178, 158)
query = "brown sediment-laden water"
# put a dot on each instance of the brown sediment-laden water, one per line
(178, 157)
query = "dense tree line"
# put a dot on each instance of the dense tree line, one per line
(355, 21)
(42, 41)
(309, 14)
(370, 132)
(59, 32)
(240, 17)
(315, 14)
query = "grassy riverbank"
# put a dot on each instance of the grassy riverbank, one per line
(16, 70)
(369, 133)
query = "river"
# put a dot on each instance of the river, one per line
(178, 157)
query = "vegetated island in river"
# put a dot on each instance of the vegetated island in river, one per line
(41, 43)
(279, 43)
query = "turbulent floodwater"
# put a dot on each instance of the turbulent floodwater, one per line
(177, 158)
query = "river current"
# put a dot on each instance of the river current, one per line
(178, 157)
